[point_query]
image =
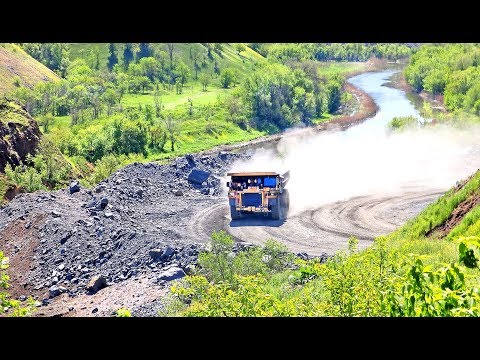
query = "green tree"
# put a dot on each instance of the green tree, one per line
(170, 48)
(240, 47)
(112, 57)
(172, 126)
(45, 121)
(227, 77)
(183, 72)
(127, 55)
(144, 51)
(204, 80)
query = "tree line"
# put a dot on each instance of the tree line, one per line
(334, 51)
(450, 70)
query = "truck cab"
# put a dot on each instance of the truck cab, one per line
(261, 193)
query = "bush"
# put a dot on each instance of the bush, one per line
(123, 312)
(3, 188)
(401, 123)
(6, 304)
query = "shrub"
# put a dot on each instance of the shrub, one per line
(123, 312)
(6, 304)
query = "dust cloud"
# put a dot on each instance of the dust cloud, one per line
(333, 166)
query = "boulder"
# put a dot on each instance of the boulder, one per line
(172, 274)
(53, 291)
(178, 192)
(74, 187)
(156, 254)
(103, 203)
(197, 176)
(96, 283)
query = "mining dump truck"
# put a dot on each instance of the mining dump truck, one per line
(260, 193)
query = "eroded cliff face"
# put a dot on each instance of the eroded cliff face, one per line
(19, 134)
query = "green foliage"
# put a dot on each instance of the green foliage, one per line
(401, 123)
(277, 95)
(333, 51)
(469, 226)
(53, 55)
(3, 188)
(123, 312)
(12, 307)
(451, 70)
(437, 212)
(48, 170)
(220, 263)
(227, 77)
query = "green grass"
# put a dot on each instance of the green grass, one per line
(17, 65)
(170, 99)
(469, 226)
(243, 62)
(11, 112)
(344, 68)
(436, 213)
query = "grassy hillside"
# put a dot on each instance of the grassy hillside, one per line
(243, 61)
(17, 68)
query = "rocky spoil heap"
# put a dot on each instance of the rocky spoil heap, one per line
(135, 222)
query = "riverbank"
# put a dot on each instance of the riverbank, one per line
(366, 109)
(398, 81)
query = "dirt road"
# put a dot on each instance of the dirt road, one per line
(322, 230)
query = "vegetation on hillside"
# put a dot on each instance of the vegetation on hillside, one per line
(148, 101)
(403, 274)
(452, 71)
(7, 304)
(18, 69)
(333, 51)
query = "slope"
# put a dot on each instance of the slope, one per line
(18, 68)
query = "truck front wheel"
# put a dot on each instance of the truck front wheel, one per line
(234, 214)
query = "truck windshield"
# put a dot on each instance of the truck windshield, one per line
(269, 182)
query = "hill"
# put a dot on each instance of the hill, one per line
(17, 68)
(226, 55)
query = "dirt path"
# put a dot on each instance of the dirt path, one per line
(322, 230)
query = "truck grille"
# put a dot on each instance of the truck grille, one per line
(251, 199)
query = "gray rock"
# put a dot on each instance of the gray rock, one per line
(197, 176)
(53, 291)
(103, 203)
(172, 274)
(62, 289)
(108, 215)
(100, 188)
(167, 252)
(65, 237)
(28, 224)
(96, 283)
(61, 267)
(190, 269)
(22, 298)
(74, 187)
(156, 254)
(55, 214)
(178, 192)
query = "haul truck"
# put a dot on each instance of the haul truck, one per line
(258, 193)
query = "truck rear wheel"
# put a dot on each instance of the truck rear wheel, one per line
(234, 214)
(276, 211)
(286, 201)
